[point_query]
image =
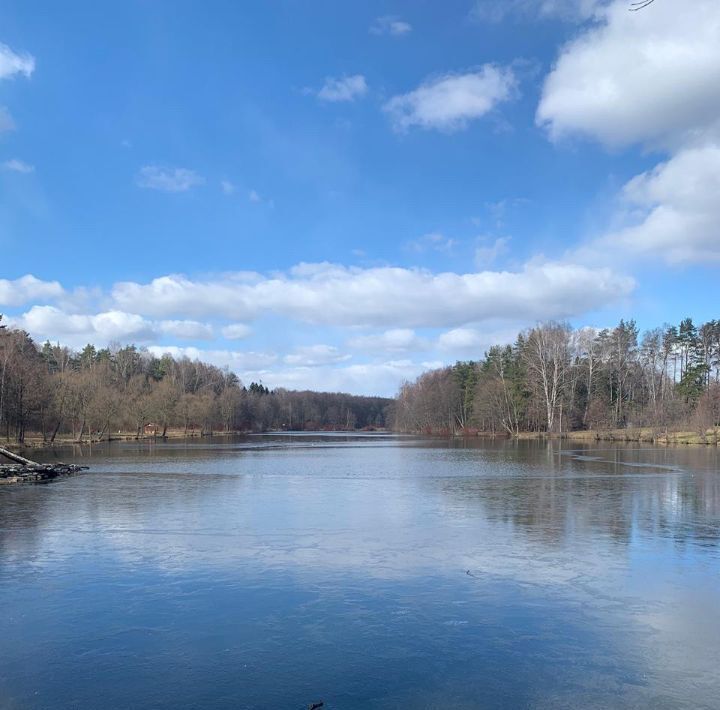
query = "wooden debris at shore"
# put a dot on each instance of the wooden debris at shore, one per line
(27, 471)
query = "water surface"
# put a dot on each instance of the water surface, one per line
(364, 571)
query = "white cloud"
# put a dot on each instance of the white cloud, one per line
(486, 254)
(638, 77)
(568, 10)
(227, 187)
(186, 329)
(432, 242)
(254, 196)
(314, 355)
(236, 331)
(155, 177)
(26, 289)
(18, 166)
(449, 102)
(390, 25)
(53, 323)
(383, 296)
(6, 120)
(465, 341)
(237, 360)
(395, 340)
(12, 64)
(649, 78)
(674, 211)
(380, 378)
(345, 88)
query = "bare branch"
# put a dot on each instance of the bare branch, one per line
(640, 5)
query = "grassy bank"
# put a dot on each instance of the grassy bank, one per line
(646, 435)
(711, 437)
(36, 441)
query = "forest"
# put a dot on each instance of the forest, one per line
(53, 393)
(556, 379)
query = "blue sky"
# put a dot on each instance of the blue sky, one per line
(339, 195)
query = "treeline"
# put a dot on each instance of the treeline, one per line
(555, 378)
(52, 391)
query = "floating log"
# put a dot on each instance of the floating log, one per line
(17, 458)
(27, 471)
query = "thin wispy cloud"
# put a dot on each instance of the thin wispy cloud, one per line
(18, 166)
(14, 64)
(395, 340)
(154, 177)
(315, 355)
(490, 250)
(7, 123)
(531, 10)
(390, 25)
(451, 101)
(236, 331)
(344, 88)
(435, 241)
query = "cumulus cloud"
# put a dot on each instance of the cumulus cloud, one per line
(649, 78)
(673, 211)
(314, 355)
(186, 329)
(234, 359)
(395, 340)
(155, 177)
(638, 77)
(26, 289)
(13, 64)
(344, 88)
(449, 102)
(18, 166)
(54, 323)
(473, 341)
(383, 296)
(376, 378)
(390, 25)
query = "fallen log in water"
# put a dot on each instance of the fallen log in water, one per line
(17, 458)
(27, 471)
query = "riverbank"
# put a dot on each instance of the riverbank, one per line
(660, 437)
(647, 435)
(651, 436)
(36, 441)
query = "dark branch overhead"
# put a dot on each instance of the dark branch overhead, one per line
(635, 6)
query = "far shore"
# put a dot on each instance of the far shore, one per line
(36, 440)
(648, 435)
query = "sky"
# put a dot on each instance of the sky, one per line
(339, 196)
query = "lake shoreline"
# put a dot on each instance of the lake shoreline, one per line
(645, 435)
